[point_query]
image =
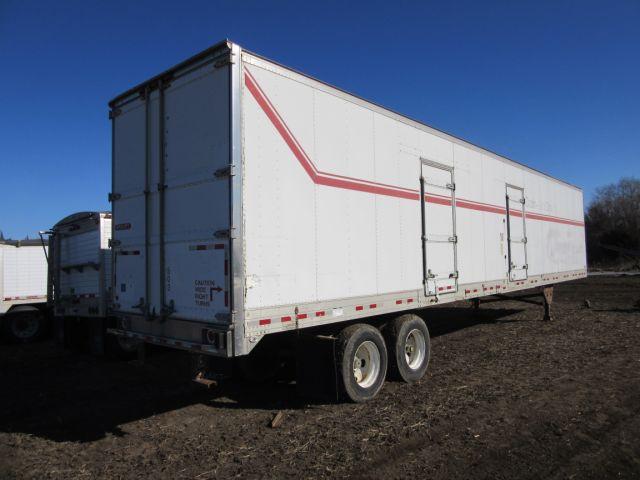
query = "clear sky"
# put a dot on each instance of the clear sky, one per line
(553, 84)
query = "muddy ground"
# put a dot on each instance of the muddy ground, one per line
(506, 396)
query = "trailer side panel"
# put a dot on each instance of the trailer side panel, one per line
(334, 221)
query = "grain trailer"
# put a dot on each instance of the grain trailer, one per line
(23, 289)
(251, 201)
(80, 272)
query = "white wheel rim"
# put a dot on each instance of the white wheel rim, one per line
(415, 349)
(24, 327)
(366, 364)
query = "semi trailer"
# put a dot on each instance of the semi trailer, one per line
(253, 204)
(23, 289)
(80, 281)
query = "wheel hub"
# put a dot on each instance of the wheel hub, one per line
(415, 349)
(24, 326)
(366, 364)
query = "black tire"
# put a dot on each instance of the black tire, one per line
(24, 326)
(121, 348)
(349, 341)
(397, 335)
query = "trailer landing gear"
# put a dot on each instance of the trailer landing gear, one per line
(547, 296)
(547, 300)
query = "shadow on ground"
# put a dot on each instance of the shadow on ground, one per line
(70, 397)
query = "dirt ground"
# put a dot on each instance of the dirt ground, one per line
(506, 396)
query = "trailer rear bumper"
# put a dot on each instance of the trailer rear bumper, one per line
(214, 342)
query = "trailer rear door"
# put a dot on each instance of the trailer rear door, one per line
(171, 197)
(516, 233)
(439, 228)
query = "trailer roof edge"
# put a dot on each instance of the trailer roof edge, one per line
(198, 56)
(78, 216)
(228, 44)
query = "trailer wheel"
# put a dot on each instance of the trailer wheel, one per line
(408, 341)
(121, 348)
(24, 326)
(361, 361)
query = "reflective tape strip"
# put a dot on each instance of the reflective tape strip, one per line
(207, 246)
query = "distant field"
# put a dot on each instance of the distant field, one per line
(507, 396)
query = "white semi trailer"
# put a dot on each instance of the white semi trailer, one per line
(23, 289)
(80, 263)
(251, 200)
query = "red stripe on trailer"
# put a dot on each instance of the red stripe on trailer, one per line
(320, 313)
(265, 321)
(285, 319)
(409, 300)
(219, 246)
(349, 183)
(367, 188)
(301, 316)
(373, 305)
(480, 207)
(359, 307)
(398, 302)
(278, 123)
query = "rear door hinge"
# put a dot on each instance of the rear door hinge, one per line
(114, 243)
(114, 196)
(221, 234)
(451, 186)
(224, 172)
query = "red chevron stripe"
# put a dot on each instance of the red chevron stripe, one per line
(350, 183)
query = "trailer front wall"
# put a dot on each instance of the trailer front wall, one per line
(332, 199)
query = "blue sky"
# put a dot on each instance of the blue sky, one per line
(553, 84)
